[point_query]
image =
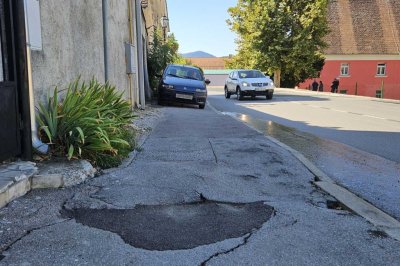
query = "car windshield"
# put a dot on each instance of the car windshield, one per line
(250, 74)
(184, 72)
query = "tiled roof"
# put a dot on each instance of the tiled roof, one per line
(363, 27)
(209, 63)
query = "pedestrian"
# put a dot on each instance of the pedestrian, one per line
(335, 85)
(314, 85)
(321, 86)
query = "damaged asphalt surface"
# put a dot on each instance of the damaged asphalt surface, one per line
(205, 190)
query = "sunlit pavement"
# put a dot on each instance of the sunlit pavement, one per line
(345, 144)
(198, 171)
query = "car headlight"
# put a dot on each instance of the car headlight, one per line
(200, 90)
(272, 83)
(246, 84)
(168, 87)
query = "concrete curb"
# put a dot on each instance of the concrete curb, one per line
(62, 174)
(14, 191)
(15, 180)
(141, 140)
(361, 207)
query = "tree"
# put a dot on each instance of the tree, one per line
(161, 54)
(283, 37)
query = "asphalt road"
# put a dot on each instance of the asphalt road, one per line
(347, 143)
(205, 190)
(364, 123)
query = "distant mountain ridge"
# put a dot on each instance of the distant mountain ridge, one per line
(198, 54)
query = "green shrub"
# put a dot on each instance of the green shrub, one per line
(91, 122)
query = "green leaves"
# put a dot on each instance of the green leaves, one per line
(161, 54)
(90, 122)
(284, 35)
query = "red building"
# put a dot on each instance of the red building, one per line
(363, 48)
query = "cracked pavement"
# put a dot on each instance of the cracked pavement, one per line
(196, 164)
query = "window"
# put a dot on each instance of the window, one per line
(251, 74)
(381, 70)
(344, 69)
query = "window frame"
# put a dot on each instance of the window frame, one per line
(345, 66)
(379, 68)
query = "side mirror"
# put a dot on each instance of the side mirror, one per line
(207, 81)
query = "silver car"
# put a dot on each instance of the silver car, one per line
(249, 83)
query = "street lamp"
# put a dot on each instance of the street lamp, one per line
(144, 3)
(164, 25)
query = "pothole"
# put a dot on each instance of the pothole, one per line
(334, 205)
(175, 227)
(378, 233)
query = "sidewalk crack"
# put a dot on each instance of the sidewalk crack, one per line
(28, 232)
(245, 241)
(212, 148)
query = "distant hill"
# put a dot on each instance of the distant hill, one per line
(198, 54)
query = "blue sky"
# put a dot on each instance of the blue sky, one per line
(199, 25)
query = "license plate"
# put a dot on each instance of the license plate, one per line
(260, 89)
(184, 96)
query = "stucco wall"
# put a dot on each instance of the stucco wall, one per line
(118, 35)
(72, 33)
(153, 13)
(217, 80)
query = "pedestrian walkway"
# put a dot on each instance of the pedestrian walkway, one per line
(205, 189)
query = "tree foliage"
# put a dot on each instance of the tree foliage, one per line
(284, 36)
(160, 54)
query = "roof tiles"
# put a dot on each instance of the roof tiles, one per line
(363, 27)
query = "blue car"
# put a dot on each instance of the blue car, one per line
(183, 84)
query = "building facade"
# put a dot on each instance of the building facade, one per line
(50, 43)
(363, 48)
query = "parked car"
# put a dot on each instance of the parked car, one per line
(184, 84)
(249, 83)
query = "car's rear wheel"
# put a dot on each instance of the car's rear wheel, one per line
(201, 106)
(239, 94)
(227, 93)
(269, 95)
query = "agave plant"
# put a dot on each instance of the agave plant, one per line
(90, 122)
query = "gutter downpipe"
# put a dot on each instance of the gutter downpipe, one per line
(37, 144)
(131, 43)
(139, 42)
(104, 7)
(135, 44)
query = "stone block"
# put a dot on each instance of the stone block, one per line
(14, 191)
(47, 181)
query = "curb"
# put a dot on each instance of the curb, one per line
(361, 207)
(15, 180)
(140, 140)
